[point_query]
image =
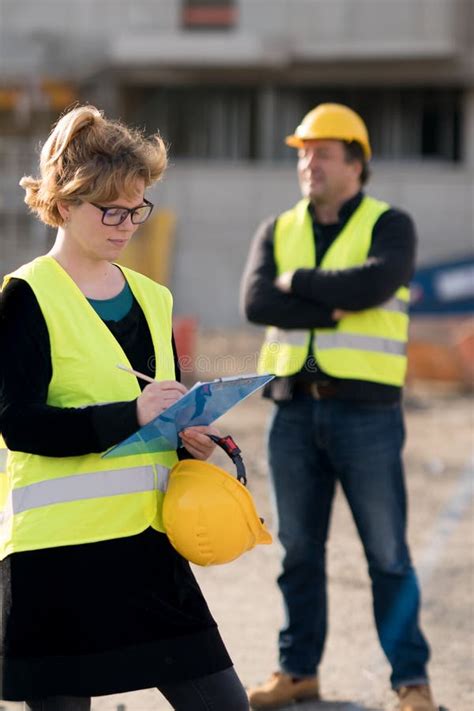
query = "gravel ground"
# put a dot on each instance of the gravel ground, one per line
(243, 595)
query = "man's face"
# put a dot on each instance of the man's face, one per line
(323, 171)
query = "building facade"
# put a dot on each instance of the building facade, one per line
(224, 81)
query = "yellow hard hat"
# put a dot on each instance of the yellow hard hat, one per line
(331, 121)
(208, 515)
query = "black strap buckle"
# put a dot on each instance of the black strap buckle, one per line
(234, 452)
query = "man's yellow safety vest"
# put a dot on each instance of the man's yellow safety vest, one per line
(366, 345)
(56, 501)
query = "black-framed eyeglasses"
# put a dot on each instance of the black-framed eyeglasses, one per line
(113, 216)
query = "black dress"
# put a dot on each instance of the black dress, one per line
(98, 618)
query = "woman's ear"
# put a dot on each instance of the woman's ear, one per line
(64, 210)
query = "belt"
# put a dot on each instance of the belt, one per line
(318, 391)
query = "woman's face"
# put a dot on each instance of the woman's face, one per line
(89, 237)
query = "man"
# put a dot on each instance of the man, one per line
(329, 278)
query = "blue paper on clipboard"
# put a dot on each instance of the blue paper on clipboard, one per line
(201, 405)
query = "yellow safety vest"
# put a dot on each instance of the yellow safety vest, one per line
(56, 501)
(3, 472)
(366, 345)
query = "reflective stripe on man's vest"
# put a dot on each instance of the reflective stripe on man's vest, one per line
(367, 345)
(55, 501)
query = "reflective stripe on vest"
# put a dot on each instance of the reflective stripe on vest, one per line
(355, 342)
(3, 459)
(279, 336)
(396, 305)
(367, 345)
(93, 485)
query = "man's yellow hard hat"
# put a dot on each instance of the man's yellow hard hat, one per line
(208, 515)
(333, 121)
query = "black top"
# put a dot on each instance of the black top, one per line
(315, 293)
(97, 618)
(27, 423)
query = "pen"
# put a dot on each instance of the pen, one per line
(136, 373)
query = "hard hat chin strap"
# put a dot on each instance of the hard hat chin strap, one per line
(232, 450)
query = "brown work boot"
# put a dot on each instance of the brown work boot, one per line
(416, 698)
(281, 689)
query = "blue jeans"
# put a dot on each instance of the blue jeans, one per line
(312, 445)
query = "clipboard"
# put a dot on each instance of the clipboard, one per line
(203, 404)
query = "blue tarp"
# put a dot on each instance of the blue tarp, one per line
(444, 288)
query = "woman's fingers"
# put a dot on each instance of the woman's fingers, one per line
(170, 385)
(197, 442)
(157, 397)
(197, 451)
(203, 430)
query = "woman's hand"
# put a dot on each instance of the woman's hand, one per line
(156, 397)
(197, 442)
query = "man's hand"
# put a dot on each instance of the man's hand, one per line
(337, 314)
(283, 282)
(197, 442)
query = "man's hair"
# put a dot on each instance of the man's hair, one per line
(355, 152)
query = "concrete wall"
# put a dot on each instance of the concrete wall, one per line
(296, 34)
(65, 37)
(356, 27)
(219, 208)
(334, 21)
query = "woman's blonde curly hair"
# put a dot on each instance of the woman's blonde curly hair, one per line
(89, 158)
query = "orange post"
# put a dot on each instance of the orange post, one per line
(185, 336)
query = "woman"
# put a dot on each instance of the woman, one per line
(95, 599)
